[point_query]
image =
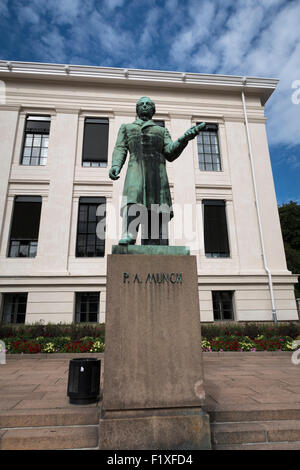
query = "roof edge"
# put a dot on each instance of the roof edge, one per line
(38, 70)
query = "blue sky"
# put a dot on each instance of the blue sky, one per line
(234, 37)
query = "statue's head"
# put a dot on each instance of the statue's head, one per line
(145, 108)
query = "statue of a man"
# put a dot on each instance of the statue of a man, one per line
(146, 183)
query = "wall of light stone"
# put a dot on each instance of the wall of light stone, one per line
(52, 278)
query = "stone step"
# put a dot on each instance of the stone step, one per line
(50, 438)
(255, 412)
(255, 432)
(78, 415)
(266, 446)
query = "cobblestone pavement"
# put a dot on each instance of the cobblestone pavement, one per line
(249, 380)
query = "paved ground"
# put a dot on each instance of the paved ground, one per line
(231, 379)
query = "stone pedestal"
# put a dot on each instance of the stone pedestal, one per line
(153, 378)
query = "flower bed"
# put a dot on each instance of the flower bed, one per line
(244, 343)
(53, 345)
(87, 338)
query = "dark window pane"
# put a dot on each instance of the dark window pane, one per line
(26, 218)
(83, 213)
(215, 228)
(92, 228)
(90, 250)
(36, 126)
(87, 306)
(92, 212)
(93, 317)
(14, 308)
(93, 307)
(20, 319)
(87, 224)
(82, 317)
(222, 305)
(95, 141)
(100, 251)
(81, 229)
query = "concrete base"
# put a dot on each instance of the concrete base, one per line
(153, 375)
(175, 430)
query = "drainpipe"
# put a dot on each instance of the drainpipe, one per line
(274, 314)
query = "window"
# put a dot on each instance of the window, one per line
(222, 305)
(215, 229)
(95, 142)
(36, 139)
(88, 243)
(208, 149)
(14, 308)
(25, 227)
(159, 123)
(87, 307)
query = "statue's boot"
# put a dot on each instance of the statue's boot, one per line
(127, 239)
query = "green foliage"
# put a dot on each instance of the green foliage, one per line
(290, 225)
(74, 331)
(251, 330)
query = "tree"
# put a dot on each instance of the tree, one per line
(290, 225)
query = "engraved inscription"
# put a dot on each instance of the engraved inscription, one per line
(153, 278)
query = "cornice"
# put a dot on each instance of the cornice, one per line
(10, 107)
(245, 278)
(67, 279)
(264, 87)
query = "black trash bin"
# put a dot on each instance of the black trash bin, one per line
(84, 380)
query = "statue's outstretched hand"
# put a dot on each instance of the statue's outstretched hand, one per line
(192, 132)
(114, 172)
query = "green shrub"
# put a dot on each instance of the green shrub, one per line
(252, 330)
(74, 330)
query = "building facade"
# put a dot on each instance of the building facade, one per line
(58, 127)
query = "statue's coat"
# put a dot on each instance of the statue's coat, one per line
(146, 179)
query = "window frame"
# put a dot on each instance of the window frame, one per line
(37, 117)
(210, 128)
(14, 313)
(215, 254)
(90, 201)
(79, 303)
(91, 163)
(24, 241)
(218, 293)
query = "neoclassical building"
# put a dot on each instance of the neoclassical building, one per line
(58, 127)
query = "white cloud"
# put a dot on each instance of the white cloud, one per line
(247, 38)
(150, 29)
(187, 44)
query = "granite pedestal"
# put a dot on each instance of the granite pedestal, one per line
(153, 377)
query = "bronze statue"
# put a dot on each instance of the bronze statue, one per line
(146, 184)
